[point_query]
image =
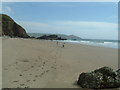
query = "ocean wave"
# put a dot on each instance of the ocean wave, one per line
(100, 43)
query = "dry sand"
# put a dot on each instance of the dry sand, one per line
(44, 64)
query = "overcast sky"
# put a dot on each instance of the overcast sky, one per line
(93, 20)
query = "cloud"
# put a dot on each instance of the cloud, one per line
(84, 29)
(90, 25)
(42, 27)
(6, 9)
(113, 17)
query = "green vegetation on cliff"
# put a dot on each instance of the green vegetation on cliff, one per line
(11, 28)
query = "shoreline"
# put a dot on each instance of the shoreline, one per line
(90, 44)
(63, 41)
(36, 63)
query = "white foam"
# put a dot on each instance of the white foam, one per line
(93, 43)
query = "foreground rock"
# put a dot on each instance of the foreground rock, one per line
(101, 78)
(11, 28)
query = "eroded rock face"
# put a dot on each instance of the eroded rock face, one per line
(101, 78)
(11, 28)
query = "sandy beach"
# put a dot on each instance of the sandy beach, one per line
(34, 63)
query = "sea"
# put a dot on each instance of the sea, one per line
(92, 42)
(96, 42)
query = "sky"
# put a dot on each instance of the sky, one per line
(91, 20)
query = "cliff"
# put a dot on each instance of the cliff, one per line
(11, 28)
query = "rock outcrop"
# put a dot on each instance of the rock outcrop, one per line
(68, 37)
(11, 28)
(101, 78)
(51, 37)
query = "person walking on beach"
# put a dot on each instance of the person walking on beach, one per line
(57, 43)
(63, 45)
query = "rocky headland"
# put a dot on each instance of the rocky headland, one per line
(11, 28)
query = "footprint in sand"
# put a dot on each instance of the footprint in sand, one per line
(37, 69)
(47, 70)
(16, 68)
(25, 60)
(42, 74)
(28, 80)
(39, 66)
(16, 63)
(5, 69)
(53, 67)
(43, 62)
(26, 70)
(15, 81)
(42, 68)
(36, 76)
(34, 80)
(39, 57)
(32, 66)
(20, 75)
(36, 60)
(30, 74)
(22, 84)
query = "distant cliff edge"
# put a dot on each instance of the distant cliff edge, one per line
(11, 28)
(51, 37)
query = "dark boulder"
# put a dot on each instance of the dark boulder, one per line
(118, 76)
(106, 71)
(90, 80)
(101, 78)
(11, 28)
